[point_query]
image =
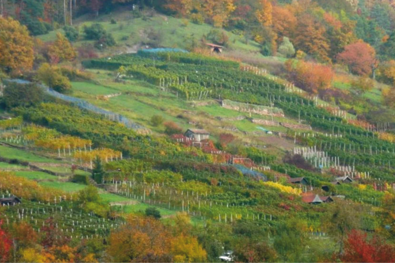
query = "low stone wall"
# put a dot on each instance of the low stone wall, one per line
(265, 122)
(264, 112)
(296, 126)
(238, 118)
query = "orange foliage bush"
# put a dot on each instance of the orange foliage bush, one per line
(310, 76)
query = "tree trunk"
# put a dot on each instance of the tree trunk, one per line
(65, 12)
(71, 12)
(2, 7)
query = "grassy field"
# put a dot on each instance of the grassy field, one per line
(34, 175)
(12, 153)
(11, 166)
(107, 197)
(65, 186)
(169, 31)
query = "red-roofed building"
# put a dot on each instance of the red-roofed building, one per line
(312, 198)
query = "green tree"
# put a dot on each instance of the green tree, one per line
(290, 240)
(32, 14)
(98, 170)
(153, 211)
(71, 33)
(341, 218)
(286, 49)
(22, 94)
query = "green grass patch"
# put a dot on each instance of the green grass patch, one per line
(12, 153)
(35, 175)
(11, 166)
(65, 186)
(113, 198)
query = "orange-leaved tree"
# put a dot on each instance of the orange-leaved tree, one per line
(140, 237)
(360, 58)
(309, 76)
(16, 46)
(311, 38)
(264, 14)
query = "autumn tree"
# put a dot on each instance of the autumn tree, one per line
(16, 46)
(264, 13)
(187, 249)
(388, 97)
(311, 38)
(358, 248)
(5, 244)
(386, 72)
(139, 238)
(226, 138)
(360, 58)
(284, 21)
(218, 11)
(61, 50)
(53, 78)
(309, 76)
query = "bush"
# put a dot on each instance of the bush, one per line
(218, 37)
(156, 120)
(286, 49)
(25, 95)
(113, 21)
(81, 179)
(153, 211)
(105, 41)
(53, 78)
(172, 128)
(94, 32)
(71, 33)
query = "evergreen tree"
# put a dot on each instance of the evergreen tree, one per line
(98, 170)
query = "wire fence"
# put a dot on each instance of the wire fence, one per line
(86, 105)
(90, 107)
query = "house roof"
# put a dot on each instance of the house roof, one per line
(311, 198)
(9, 199)
(343, 178)
(213, 45)
(296, 180)
(198, 131)
(326, 199)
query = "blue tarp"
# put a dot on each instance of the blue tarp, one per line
(246, 171)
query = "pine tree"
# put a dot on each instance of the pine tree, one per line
(98, 170)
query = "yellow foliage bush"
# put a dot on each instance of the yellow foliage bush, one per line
(283, 188)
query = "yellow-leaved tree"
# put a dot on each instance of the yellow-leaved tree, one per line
(16, 46)
(61, 50)
(264, 14)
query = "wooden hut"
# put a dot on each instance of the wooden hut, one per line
(9, 201)
(215, 48)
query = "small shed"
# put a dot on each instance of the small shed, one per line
(9, 201)
(298, 180)
(215, 48)
(344, 179)
(197, 134)
(326, 199)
